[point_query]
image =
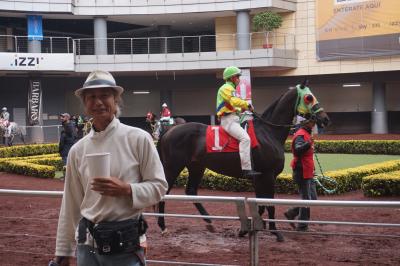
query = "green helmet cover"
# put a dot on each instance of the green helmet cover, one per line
(231, 71)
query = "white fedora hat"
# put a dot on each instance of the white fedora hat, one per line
(99, 79)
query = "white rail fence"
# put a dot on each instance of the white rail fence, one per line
(248, 216)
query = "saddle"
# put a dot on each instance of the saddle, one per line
(218, 140)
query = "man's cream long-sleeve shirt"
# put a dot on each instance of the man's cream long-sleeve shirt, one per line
(134, 159)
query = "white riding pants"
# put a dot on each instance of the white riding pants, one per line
(231, 125)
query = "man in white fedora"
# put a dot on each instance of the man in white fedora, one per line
(104, 213)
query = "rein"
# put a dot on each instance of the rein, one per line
(257, 115)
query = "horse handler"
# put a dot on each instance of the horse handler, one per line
(102, 215)
(303, 171)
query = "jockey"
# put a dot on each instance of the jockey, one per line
(5, 116)
(228, 107)
(165, 114)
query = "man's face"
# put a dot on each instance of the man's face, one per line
(100, 103)
(63, 118)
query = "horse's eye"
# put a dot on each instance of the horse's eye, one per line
(308, 99)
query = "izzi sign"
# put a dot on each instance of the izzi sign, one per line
(37, 61)
(34, 103)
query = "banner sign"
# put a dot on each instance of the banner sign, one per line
(357, 28)
(37, 61)
(243, 90)
(34, 103)
(35, 29)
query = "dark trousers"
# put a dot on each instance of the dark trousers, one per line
(307, 191)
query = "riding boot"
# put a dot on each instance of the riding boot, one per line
(250, 174)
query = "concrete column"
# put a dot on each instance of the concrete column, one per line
(163, 31)
(10, 40)
(379, 121)
(243, 30)
(100, 35)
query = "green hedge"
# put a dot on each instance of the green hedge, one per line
(28, 150)
(389, 147)
(382, 184)
(347, 180)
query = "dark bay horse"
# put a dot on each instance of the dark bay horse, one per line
(185, 146)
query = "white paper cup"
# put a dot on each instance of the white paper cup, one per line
(99, 164)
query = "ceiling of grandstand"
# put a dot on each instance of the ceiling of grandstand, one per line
(117, 26)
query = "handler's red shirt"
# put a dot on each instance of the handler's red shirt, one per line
(307, 159)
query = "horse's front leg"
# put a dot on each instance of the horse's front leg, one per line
(265, 188)
(272, 225)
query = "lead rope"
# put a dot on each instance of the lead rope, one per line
(326, 179)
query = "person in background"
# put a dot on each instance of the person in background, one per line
(105, 212)
(67, 136)
(165, 113)
(228, 107)
(5, 117)
(79, 124)
(303, 171)
(4, 114)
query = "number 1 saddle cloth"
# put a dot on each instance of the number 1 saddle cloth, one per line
(218, 140)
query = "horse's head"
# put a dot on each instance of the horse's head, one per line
(307, 104)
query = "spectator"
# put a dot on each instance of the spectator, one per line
(107, 211)
(67, 137)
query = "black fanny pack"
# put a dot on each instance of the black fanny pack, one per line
(116, 237)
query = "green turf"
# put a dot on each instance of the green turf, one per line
(331, 162)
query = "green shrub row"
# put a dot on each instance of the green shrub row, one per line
(389, 147)
(28, 150)
(39, 166)
(382, 184)
(28, 169)
(347, 180)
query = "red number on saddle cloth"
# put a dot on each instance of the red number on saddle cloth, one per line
(218, 140)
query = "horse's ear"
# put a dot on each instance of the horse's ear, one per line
(304, 83)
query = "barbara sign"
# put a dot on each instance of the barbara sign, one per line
(34, 103)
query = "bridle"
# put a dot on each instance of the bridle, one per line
(313, 110)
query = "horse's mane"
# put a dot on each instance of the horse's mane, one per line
(270, 110)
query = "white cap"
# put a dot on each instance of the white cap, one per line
(164, 105)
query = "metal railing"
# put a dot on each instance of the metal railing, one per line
(150, 45)
(254, 223)
(184, 44)
(49, 45)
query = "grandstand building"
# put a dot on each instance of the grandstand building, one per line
(174, 51)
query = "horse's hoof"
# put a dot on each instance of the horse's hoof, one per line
(279, 237)
(210, 228)
(242, 233)
(164, 232)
